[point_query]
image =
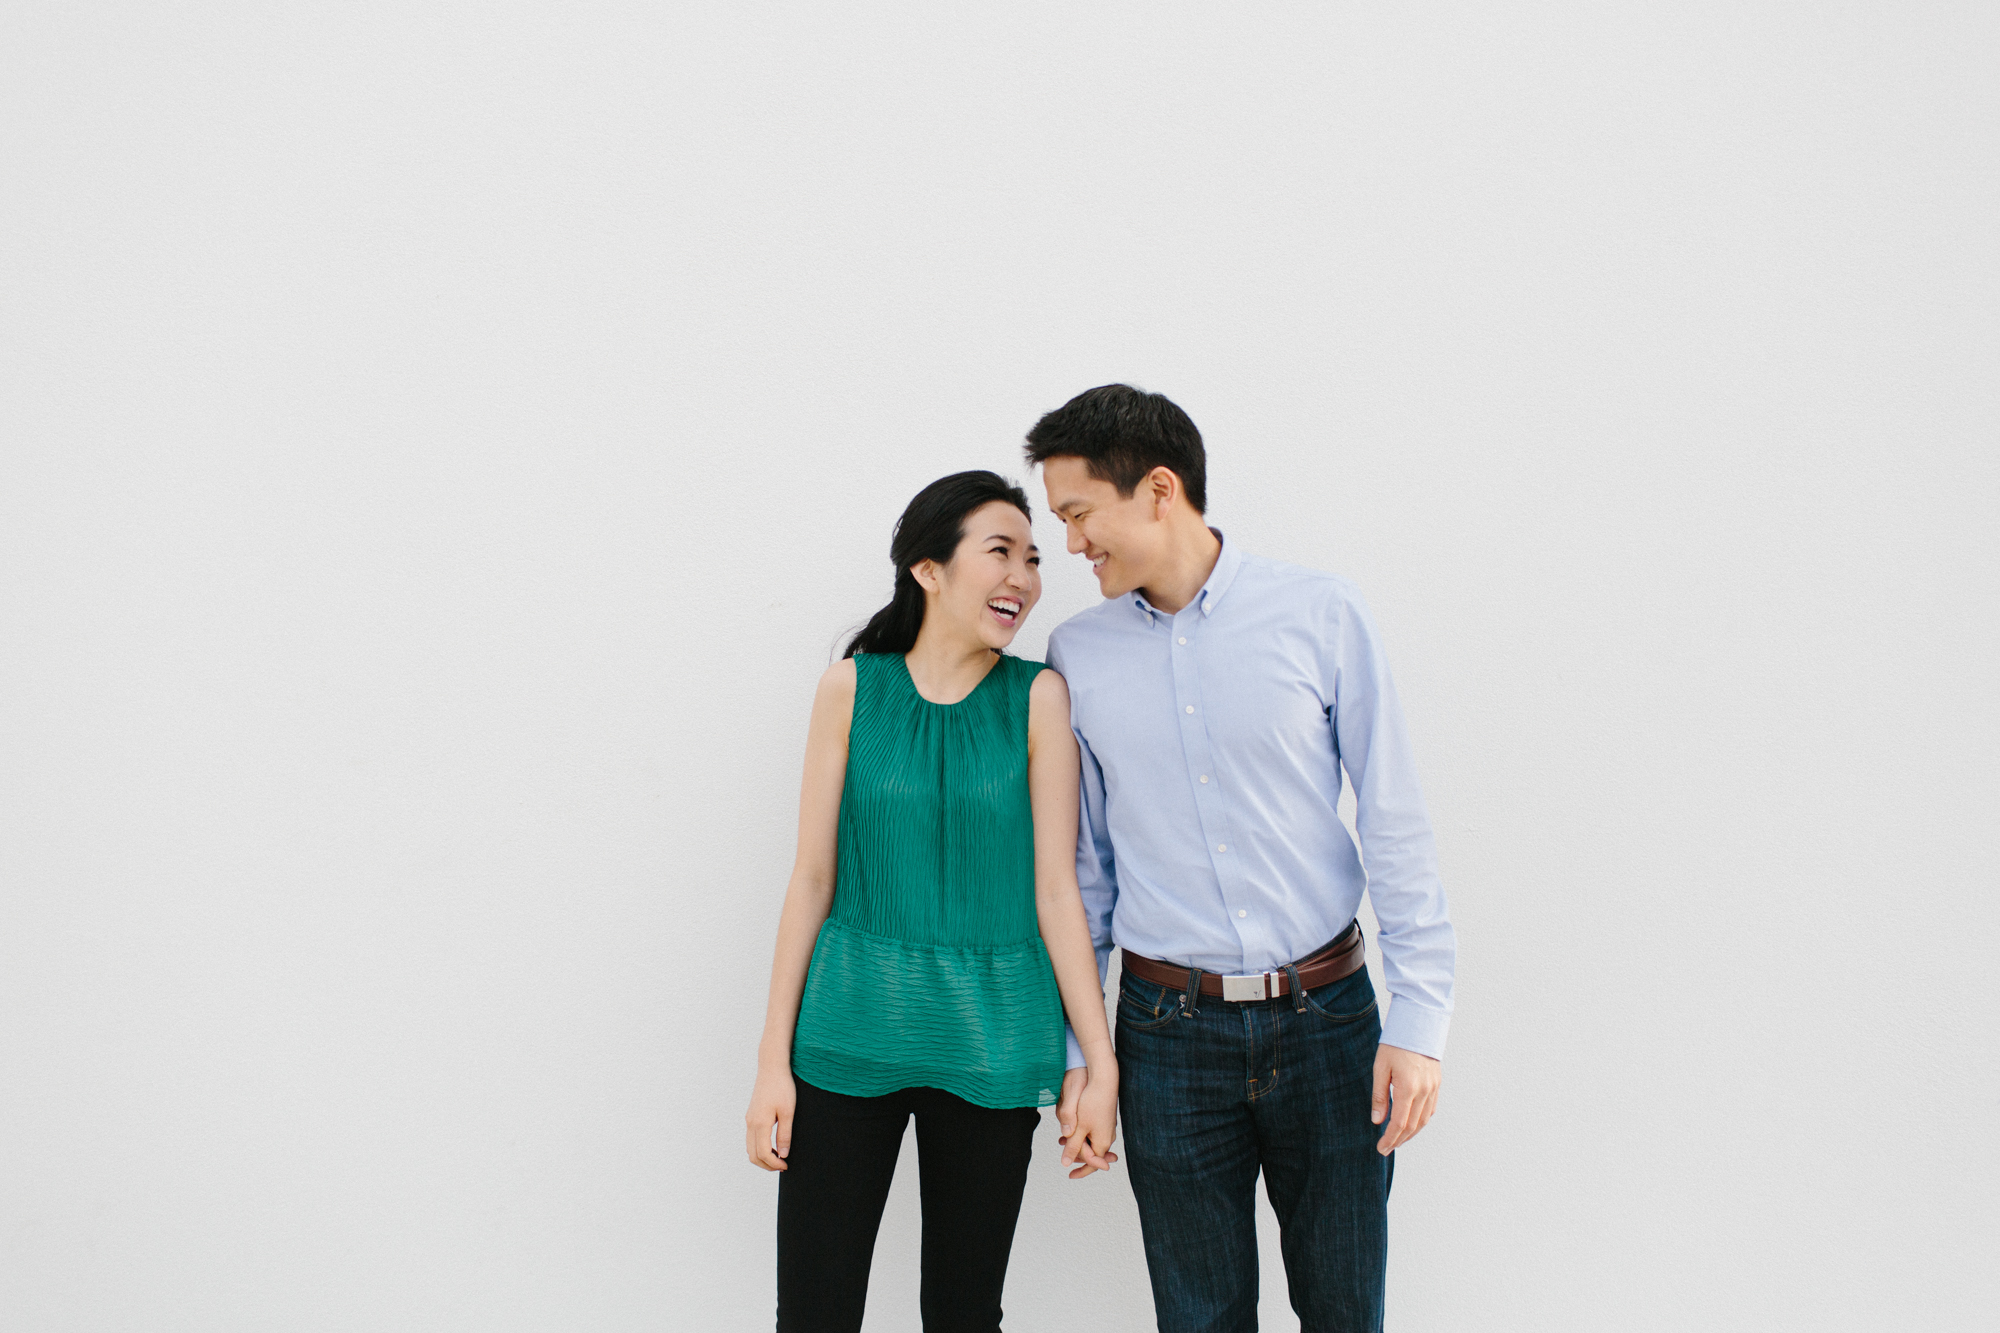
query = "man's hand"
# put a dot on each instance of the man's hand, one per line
(1415, 1080)
(1100, 1120)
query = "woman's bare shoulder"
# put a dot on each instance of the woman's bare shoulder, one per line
(836, 686)
(1048, 696)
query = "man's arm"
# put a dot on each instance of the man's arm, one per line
(1400, 855)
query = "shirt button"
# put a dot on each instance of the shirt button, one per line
(1204, 777)
(1221, 846)
(1241, 912)
(1183, 638)
(1190, 708)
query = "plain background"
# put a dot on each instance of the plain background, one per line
(444, 443)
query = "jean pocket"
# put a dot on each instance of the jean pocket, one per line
(1143, 1005)
(1348, 1000)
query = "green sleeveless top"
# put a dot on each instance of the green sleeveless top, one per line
(930, 970)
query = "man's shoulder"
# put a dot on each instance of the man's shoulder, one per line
(1301, 584)
(1088, 624)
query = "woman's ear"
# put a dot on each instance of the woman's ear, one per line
(925, 572)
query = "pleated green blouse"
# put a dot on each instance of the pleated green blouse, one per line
(930, 970)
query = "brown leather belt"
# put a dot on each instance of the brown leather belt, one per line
(1340, 957)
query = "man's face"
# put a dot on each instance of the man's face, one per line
(1122, 535)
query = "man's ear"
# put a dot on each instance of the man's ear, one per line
(1162, 485)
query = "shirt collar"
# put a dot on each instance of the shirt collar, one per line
(1219, 579)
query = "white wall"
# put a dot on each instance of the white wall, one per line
(442, 444)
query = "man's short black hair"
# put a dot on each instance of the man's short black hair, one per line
(1122, 433)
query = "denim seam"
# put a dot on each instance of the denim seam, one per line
(1270, 1012)
(1354, 1017)
(1340, 1019)
(1160, 1017)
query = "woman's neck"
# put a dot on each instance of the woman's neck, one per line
(946, 667)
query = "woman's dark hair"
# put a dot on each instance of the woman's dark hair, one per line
(930, 529)
(1122, 433)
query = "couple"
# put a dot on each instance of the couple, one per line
(973, 826)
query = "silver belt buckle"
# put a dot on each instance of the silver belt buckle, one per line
(1254, 986)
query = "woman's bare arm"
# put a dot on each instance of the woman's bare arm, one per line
(808, 898)
(1052, 788)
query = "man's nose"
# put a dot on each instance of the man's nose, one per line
(1075, 538)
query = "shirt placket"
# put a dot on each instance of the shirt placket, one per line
(1211, 805)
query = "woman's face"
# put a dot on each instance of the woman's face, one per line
(993, 580)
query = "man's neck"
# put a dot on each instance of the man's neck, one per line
(1191, 555)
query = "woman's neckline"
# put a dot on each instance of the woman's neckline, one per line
(903, 659)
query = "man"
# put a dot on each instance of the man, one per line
(1218, 697)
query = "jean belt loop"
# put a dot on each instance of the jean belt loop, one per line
(1298, 991)
(1193, 995)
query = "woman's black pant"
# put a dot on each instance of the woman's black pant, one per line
(972, 1162)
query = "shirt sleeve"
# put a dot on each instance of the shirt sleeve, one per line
(1398, 851)
(1096, 872)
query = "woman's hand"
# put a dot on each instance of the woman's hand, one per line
(1088, 1117)
(772, 1102)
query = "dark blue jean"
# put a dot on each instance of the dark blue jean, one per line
(1214, 1093)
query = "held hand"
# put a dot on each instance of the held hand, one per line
(1088, 1117)
(1073, 1084)
(1414, 1079)
(772, 1102)
(1072, 1093)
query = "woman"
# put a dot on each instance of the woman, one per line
(932, 934)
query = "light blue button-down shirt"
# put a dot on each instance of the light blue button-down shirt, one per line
(1213, 743)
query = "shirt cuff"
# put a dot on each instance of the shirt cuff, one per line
(1415, 1028)
(1075, 1056)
